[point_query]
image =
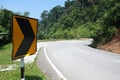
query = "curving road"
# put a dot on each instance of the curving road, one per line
(77, 61)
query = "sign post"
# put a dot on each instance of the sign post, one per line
(22, 68)
(24, 41)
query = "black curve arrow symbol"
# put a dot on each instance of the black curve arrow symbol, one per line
(29, 36)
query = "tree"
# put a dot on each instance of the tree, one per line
(27, 13)
(78, 18)
(5, 26)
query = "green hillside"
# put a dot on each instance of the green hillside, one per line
(97, 19)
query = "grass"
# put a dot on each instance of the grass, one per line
(5, 54)
(32, 72)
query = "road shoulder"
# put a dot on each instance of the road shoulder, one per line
(45, 66)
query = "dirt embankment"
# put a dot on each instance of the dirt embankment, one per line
(113, 45)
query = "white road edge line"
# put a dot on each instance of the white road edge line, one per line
(54, 67)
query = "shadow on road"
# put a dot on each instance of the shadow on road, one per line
(33, 78)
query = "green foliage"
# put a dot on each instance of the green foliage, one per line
(6, 25)
(102, 33)
(2, 32)
(26, 14)
(112, 17)
(97, 19)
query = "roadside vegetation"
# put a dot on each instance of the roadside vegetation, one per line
(97, 19)
(32, 72)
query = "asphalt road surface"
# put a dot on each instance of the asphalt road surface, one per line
(75, 60)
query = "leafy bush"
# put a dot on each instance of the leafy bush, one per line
(102, 34)
(4, 37)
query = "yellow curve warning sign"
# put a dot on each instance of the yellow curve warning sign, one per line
(24, 32)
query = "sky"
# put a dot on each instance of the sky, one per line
(35, 7)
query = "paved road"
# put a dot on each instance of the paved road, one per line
(77, 61)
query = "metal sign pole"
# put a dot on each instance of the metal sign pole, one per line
(22, 68)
